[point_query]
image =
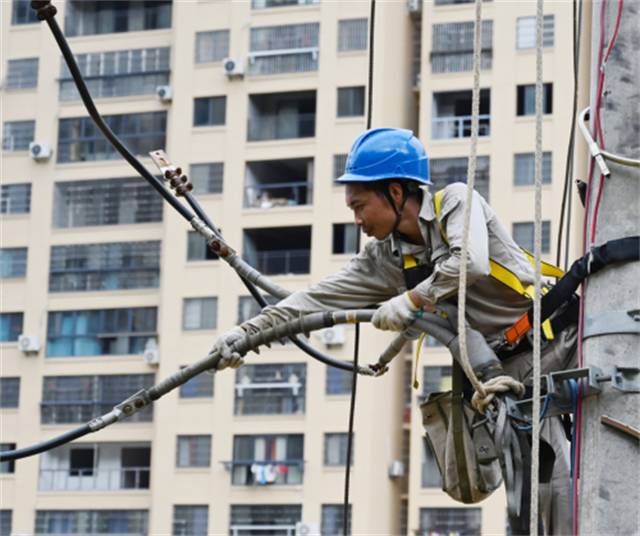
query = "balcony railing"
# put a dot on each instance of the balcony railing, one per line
(282, 127)
(68, 411)
(252, 472)
(282, 194)
(276, 530)
(443, 128)
(94, 479)
(294, 261)
(455, 62)
(264, 4)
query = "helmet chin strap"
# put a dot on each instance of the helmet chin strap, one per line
(393, 205)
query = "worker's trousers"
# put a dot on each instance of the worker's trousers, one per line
(554, 497)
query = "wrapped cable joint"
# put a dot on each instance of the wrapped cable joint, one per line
(215, 242)
(44, 9)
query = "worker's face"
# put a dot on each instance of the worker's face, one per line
(371, 212)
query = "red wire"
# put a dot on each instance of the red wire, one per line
(597, 135)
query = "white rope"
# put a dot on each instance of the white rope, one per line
(535, 439)
(501, 384)
(471, 173)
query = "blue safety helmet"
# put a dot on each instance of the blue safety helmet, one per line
(387, 153)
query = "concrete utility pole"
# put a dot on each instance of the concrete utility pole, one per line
(610, 459)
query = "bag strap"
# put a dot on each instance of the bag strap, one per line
(457, 422)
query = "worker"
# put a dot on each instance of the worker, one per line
(386, 171)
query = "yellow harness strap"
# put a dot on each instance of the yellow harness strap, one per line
(506, 276)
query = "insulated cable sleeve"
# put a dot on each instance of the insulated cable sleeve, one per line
(11, 455)
(104, 128)
(255, 293)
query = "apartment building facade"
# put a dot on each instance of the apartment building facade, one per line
(258, 102)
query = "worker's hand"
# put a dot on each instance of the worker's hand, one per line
(395, 314)
(228, 358)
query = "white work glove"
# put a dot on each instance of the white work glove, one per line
(395, 314)
(222, 346)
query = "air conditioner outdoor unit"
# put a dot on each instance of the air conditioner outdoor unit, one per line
(396, 469)
(151, 356)
(29, 344)
(164, 93)
(233, 67)
(334, 335)
(306, 528)
(40, 151)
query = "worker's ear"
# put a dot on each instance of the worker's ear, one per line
(396, 192)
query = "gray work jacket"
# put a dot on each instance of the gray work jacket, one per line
(375, 274)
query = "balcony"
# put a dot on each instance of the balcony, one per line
(266, 4)
(271, 390)
(452, 115)
(278, 183)
(281, 116)
(278, 250)
(96, 467)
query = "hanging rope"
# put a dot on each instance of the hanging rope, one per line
(471, 173)
(537, 282)
(356, 346)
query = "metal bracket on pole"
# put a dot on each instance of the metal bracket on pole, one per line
(626, 379)
(611, 322)
(557, 385)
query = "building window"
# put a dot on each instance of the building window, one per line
(190, 520)
(452, 114)
(116, 266)
(339, 165)
(351, 101)
(209, 111)
(13, 262)
(23, 14)
(118, 74)
(278, 183)
(199, 387)
(335, 449)
(467, 521)
(264, 4)
(6, 518)
(284, 515)
(345, 236)
(339, 382)
(99, 522)
(93, 18)
(10, 466)
(352, 34)
(452, 49)
(194, 451)
(10, 326)
(278, 250)
(101, 332)
(523, 234)
(526, 32)
(80, 140)
(248, 307)
(292, 48)
(105, 202)
(82, 462)
(200, 313)
(16, 199)
(430, 473)
(436, 379)
(526, 99)
(267, 459)
(17, 135)
(271, 389)
(332, 523)
(212, 46)
(22, 74)
(207, 178)
(281, 116)
(9, 392)
(525, 169)
(445, 171)
(78, 399)
(197, 248)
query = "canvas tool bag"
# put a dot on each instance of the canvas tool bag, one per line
(466, 456)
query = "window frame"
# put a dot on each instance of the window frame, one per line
(202, 324)
(16, 265)
(347, 28)
(13, 324)
(342, 441)
(354, 93)
(523, 98)
(219, 44)
(206, 106)
(18, 194)
(193, 451)
(26, 75)
(24, 133)
(10, 396)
